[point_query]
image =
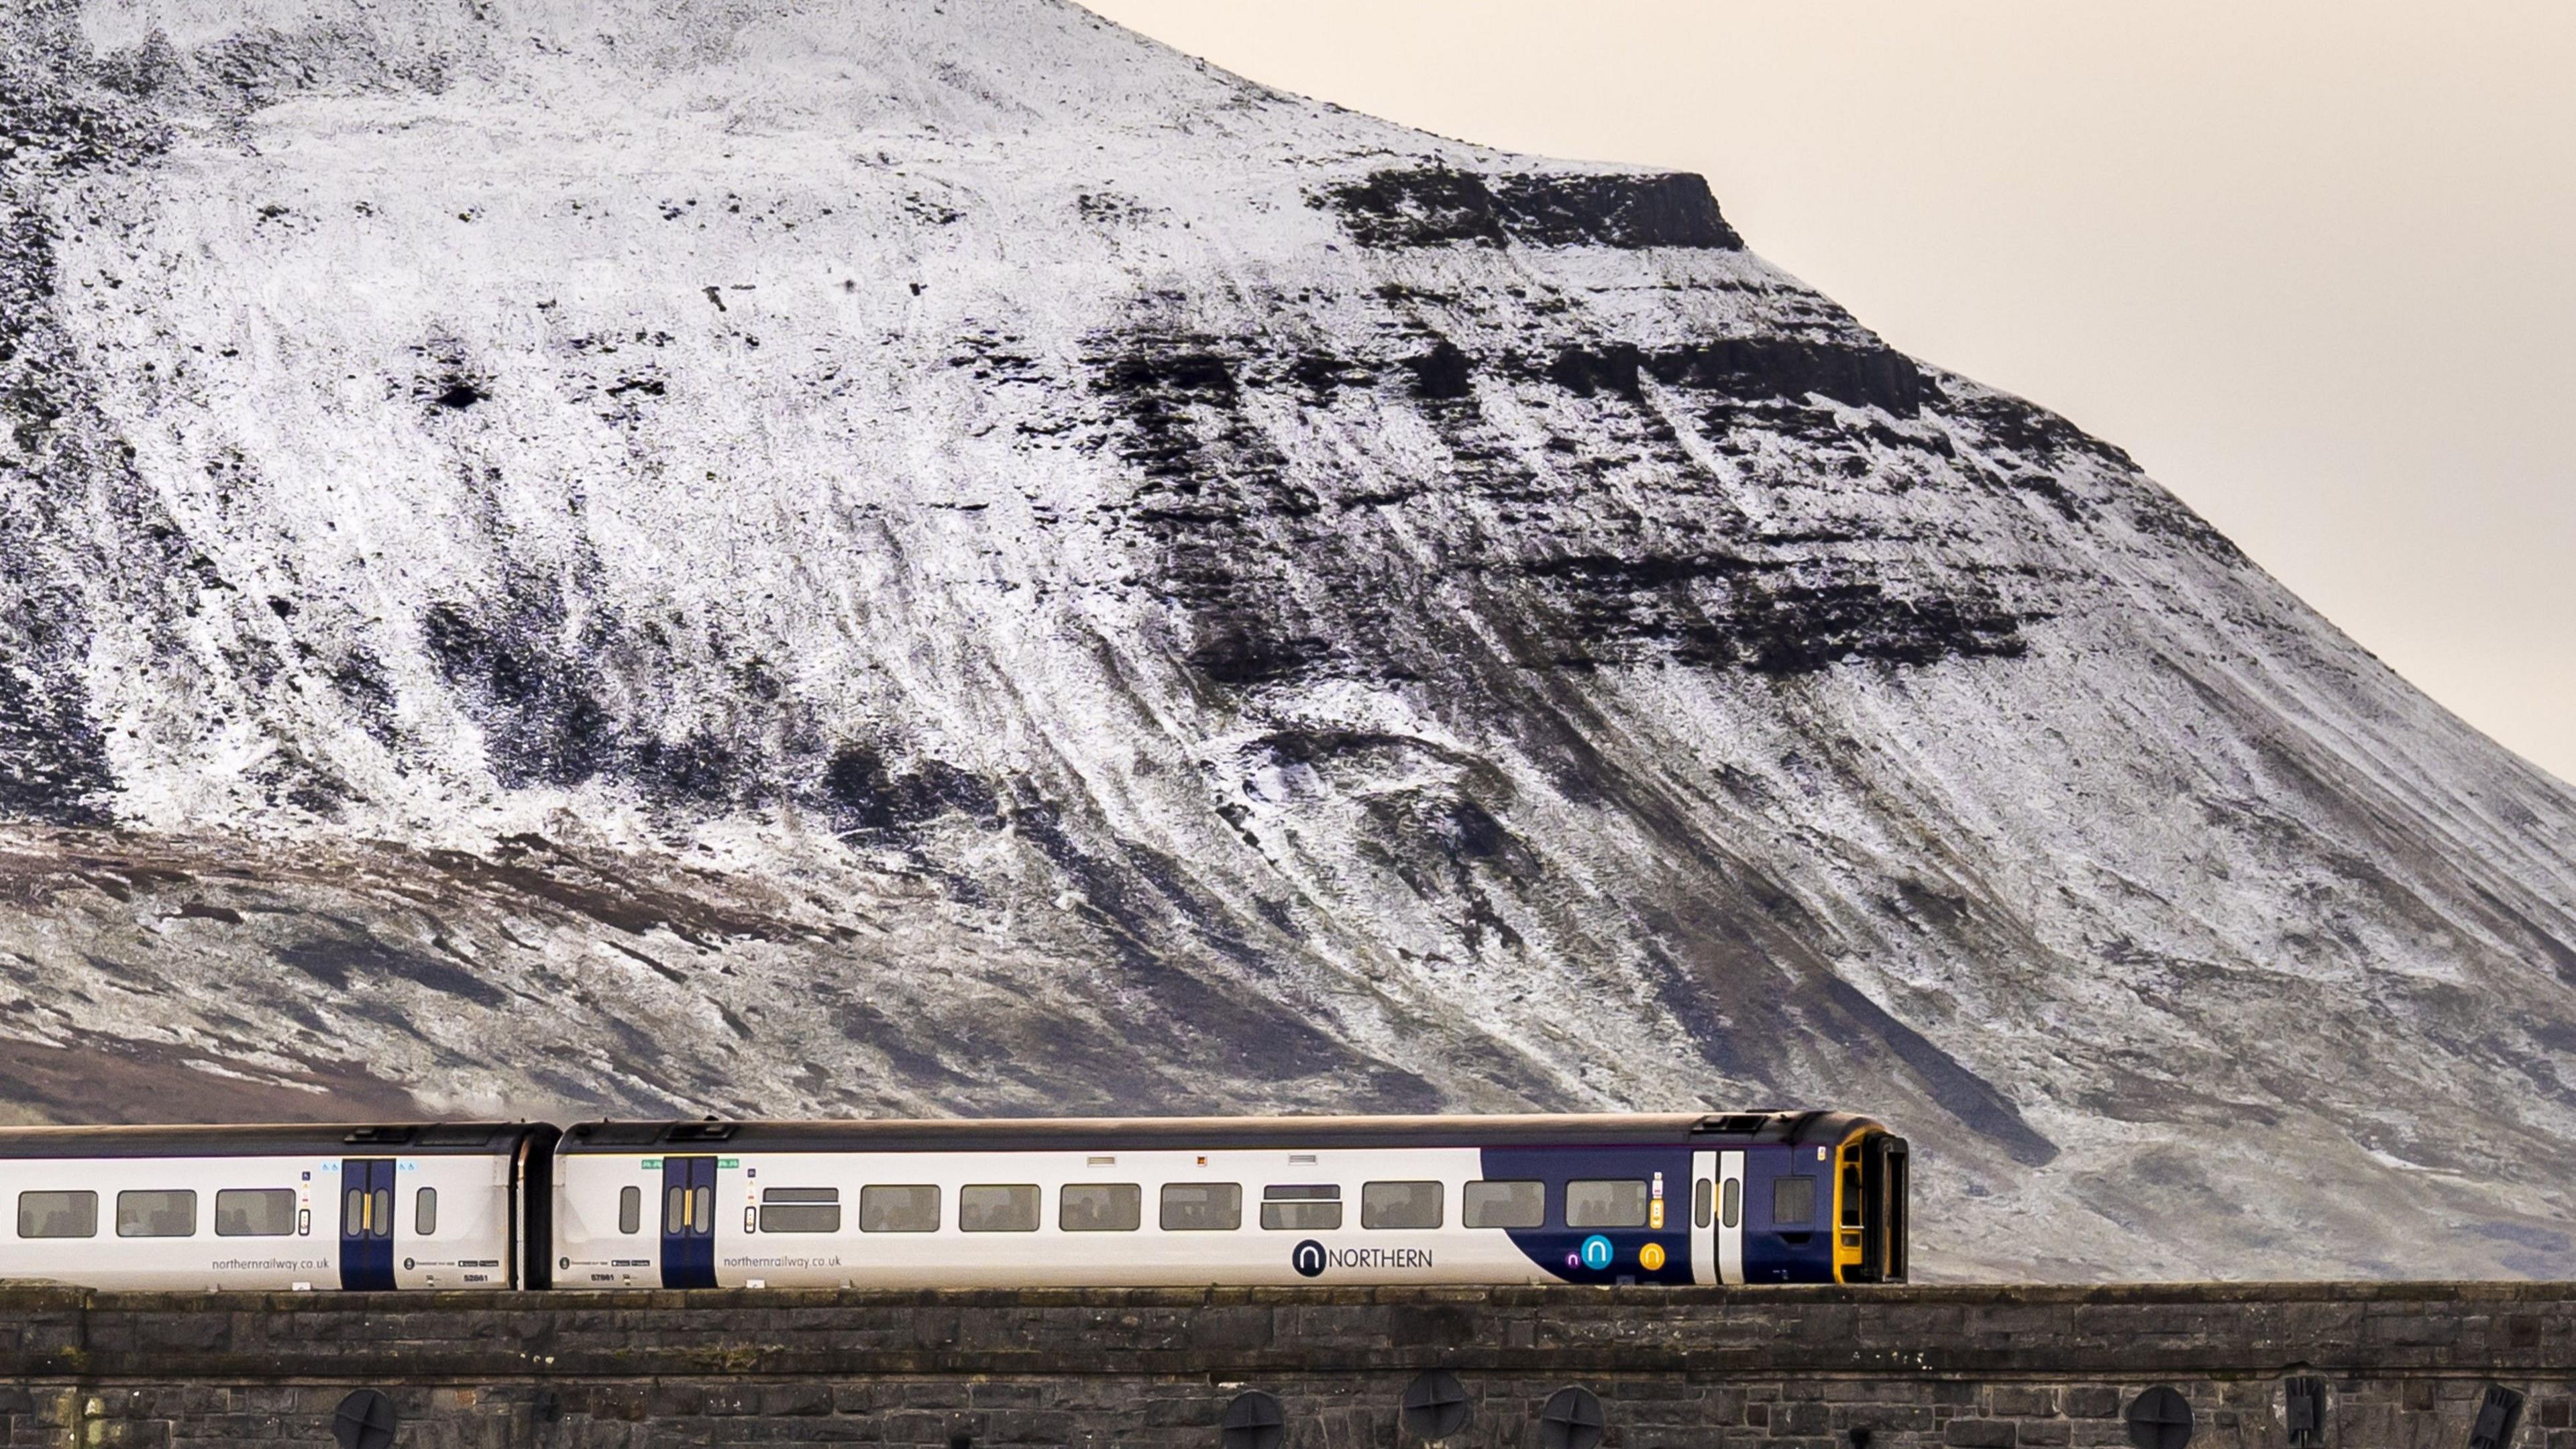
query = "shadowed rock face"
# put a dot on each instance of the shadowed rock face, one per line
(566, 558)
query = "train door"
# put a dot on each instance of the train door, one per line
(1730, 1217)
(367, 1222)
(688, 1222)
(1703, 1223)
(1883, 1189)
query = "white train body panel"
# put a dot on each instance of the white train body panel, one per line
(189, 1209)
(307, 1257)
(592, 1253)
(1776, 1197)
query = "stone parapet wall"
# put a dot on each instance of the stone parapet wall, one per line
(2404, 1365)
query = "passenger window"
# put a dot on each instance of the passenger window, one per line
(1101, 1207)
(58, 1215)
(909, 1208)
(1309, 1207)
(1202, 1207)
(424, 1213)
(1605, 1203)
(152, 1213)
(255, 1212)
(1504, 1205)
(1400, 1205)
(990, 1207)
(630, 1209)
(1702, 1196)
(1731, 1210)
(1793, 1201)
(800, 1209)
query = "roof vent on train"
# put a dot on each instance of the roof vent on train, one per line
(459, 1134)
(378, 1136)
(1732, 1124)
(699, 1131)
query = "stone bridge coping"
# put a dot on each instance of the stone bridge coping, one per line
(2123, 1331)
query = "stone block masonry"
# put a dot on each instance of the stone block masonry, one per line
(2404, 1365)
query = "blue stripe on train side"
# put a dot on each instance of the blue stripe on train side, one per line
(1558, 1249)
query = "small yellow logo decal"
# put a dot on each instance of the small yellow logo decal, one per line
(1651, 1256)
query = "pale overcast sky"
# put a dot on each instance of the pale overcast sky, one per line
(2313, 263)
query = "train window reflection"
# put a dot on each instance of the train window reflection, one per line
(800, 1210)
(1504, 1205)
(1793, 1201)
(156, 1213)
(1605, 1203)
(1101, 1207)
(899, 1208)
(255, 1212)
(58, 1215)
(997, 1207)
(1400, 1205)
(1202, 1207)
(1301, 1207)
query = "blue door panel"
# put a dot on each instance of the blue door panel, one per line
(367, 1223)
(688, 1222)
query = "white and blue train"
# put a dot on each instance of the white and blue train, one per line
(1771, 1197)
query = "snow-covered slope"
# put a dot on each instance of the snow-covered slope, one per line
(880, 555)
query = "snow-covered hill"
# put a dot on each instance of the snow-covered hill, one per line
(937, 556)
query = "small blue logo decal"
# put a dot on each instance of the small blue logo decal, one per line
(1596, 1252)
(1307, 1258)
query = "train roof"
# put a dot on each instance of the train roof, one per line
(269, 1139)
(1001, 1134)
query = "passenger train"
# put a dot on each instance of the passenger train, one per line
(1769, 1197)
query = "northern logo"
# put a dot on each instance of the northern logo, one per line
(1307, 1258)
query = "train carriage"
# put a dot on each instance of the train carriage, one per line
(430, 1205)
(1781, 1197)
